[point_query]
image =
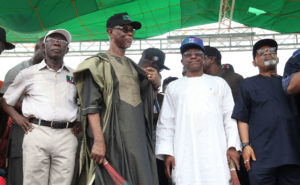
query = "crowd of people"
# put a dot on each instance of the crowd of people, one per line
(106, 123)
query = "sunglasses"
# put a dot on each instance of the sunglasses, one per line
(125, 29)
(53, 41)
(197, 54)
(261, 52)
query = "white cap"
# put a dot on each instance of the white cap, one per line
(63, 32)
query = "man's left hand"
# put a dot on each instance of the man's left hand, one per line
(234, 155)
(153, 77)
(77, 128)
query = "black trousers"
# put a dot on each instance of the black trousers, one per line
(162, 178)
(242, 173)
(283, 175)
(15, 171)
(14, 154)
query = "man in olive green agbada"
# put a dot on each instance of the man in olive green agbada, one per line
(117, 106)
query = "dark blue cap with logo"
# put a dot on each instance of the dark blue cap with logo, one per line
(191, 42)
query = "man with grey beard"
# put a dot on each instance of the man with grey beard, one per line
(268, 122)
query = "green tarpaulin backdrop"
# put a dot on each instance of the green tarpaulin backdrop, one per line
(27, 20)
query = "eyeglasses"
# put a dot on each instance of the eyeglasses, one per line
(53, 41)
(197, 54)
(125, 29)
(261, 52)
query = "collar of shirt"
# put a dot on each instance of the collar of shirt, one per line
(30, 61)
(43, 65)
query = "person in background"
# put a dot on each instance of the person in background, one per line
(212, 66)
(4, 45)
(268, 122)
(163, 179)
(196, 135)
(160, 96)
(3, 144)
(154, 59)
(228, 67)
(167, 81)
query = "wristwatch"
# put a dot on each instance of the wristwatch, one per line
(244, 144)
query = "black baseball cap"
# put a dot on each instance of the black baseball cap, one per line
(228, 67)
(155, 55)
(263, 42)
(212, 51)
(122, 19)
(7, 45)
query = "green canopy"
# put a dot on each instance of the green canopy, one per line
(28, 20)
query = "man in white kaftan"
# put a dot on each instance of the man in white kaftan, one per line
(195, 127)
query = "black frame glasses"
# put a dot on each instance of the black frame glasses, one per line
(126, 29)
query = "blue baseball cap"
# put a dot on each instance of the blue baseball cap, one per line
(191, 42)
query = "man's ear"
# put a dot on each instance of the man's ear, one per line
(277, 59)
(211, 60)
(182, 61)
(36, 47)
(67, 50)
(254, 62)
(109, 31)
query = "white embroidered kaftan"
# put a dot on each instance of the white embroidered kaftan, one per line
(195, 126)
